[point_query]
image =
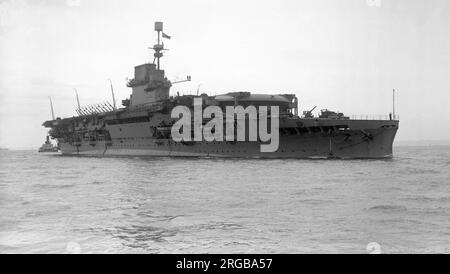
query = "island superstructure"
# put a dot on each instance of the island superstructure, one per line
(142, 126)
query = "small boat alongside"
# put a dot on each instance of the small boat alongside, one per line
(48, 146)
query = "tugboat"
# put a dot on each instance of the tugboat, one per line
(48, 146)
(144, 126)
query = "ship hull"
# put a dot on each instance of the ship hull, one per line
(358, 143)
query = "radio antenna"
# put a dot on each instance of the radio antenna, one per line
(78, 99)
(51, 106)
(112, 92)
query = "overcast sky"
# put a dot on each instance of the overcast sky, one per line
(344, 55)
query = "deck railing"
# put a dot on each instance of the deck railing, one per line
(374, 117)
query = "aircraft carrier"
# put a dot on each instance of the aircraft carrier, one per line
(142, 125)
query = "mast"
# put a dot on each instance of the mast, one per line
(158, 47)
(158, 44)
(51, 106)
(112, 92)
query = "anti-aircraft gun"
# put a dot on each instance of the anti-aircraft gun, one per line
(308, 113)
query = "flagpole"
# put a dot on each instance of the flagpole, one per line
(393, 103)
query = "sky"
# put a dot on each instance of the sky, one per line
(344, 55)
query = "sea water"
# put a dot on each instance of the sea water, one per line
(51, 203)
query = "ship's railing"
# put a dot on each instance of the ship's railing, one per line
(374, 117)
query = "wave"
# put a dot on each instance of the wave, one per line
(428, 199)
(57, 186)
(388, 208)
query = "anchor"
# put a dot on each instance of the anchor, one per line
(367, 135)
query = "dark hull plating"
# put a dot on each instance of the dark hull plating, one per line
(367, 139)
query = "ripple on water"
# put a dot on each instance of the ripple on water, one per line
(53, 186)
(141, 236)
(388, 208)
(427, 199)
(221, 205)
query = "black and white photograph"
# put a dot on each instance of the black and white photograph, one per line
(224, 127)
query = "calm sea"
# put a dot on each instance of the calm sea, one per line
(57, 204)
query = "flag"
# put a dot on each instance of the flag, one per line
(165, 35)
